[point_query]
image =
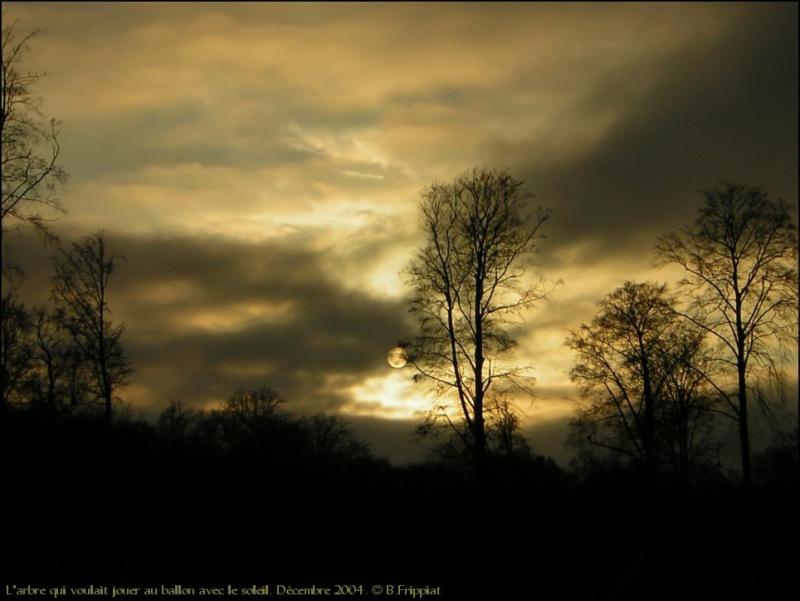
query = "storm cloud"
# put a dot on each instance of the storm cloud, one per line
(720, 109)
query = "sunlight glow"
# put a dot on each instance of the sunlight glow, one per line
(391, 396)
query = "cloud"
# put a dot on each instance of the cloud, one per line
(204, 316)
(260, 164)
(722, 108)
(351, 173)
(615, 115)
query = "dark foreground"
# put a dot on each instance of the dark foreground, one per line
(87, 504)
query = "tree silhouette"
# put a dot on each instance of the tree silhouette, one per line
(31, 173)
(53, 354)
(252, 422)
(80, 290)
(503, 436)
(616, 356)
(686, 412)
(468, 281)
(16, 347)
(178, 422)
(253, 406)
(740, 259)
(632, 363)
(330, 436)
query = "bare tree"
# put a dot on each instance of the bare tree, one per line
(255, 405)
(503, 428)
(53, 353)
(331, 439)
(30, 149)
(616, 368)
(468, 282)
(740, 259)
(688, 405)
(178, 422)
(639, 368)
(16, 347)
(252, 418)
(504, 439)
(80, 289)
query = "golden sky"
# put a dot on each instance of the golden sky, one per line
(259, 165)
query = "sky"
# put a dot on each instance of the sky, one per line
(259, 166)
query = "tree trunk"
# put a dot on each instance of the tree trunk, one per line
(480, 445)
(104, 383)
(684, 437)
(480, 428)
(51, 390)
(104, 377)
(649, 413)
(744, 434)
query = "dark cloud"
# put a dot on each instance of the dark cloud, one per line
(274, 316)
(721, 108)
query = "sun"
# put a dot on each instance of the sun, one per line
(397, 357)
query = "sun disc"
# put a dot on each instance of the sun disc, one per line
(397, 357)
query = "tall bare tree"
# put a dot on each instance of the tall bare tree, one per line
(30, 148)
(468, 281)
(740, 259)
(80, 289)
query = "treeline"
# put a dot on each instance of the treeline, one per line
(661, 374)
(253, 422)
(249, 491)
